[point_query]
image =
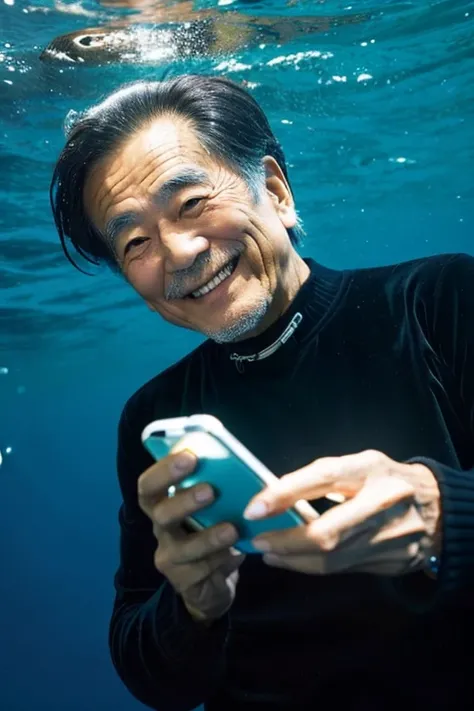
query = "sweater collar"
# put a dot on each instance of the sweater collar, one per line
(306, 313)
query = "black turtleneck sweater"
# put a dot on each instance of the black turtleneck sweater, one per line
(383, 359)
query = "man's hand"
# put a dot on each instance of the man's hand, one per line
(387, 525)
(201, 567)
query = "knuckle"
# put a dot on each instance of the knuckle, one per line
(406, 489)
(160, 560)
(213, 541)
(222, 537)
(142, 488)
(417, 527)
(374, 456)
(327, 542)
(153, 480)
(161, 514)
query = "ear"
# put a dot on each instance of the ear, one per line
(279, 192)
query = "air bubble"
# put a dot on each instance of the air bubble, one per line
(71, 118)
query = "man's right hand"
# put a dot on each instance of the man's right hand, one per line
(202, 567)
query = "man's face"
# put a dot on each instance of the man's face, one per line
(188, 235)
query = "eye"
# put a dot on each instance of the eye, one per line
(191, 204)
(134, 243)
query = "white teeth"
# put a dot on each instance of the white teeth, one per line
(218, 279)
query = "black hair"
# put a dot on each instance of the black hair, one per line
(227, 120)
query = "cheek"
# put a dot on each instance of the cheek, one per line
(145, 278)
(237, 224)
(147, 281)
(224, 222)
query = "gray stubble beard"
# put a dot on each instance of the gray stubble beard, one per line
(243, 326)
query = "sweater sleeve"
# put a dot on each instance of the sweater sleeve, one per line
(450, 331)
(165, 659)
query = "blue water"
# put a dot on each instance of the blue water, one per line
(377, 122)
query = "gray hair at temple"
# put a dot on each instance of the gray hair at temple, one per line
(229, 123)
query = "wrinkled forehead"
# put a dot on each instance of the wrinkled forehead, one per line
(149, 156)
(165, 133)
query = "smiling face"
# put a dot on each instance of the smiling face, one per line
(190, 238)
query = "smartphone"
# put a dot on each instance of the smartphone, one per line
(233, 472)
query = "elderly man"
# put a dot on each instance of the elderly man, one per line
(183, 188)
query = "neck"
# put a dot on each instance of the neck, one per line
(291, 276)
(310, 293)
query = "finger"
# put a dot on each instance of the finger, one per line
(185, 577)
(381, 501)
(173, 510)
(343, 476)
(310, 564)
(390, 558)
(198, 546)
(154, 483)
(233, 563)
(222, 581)
(369, 509)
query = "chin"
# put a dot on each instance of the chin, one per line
(240, 327)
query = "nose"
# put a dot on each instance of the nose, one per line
(181, 249)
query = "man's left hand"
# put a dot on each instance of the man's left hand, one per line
(388, 523)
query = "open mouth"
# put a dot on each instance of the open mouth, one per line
(216, 281)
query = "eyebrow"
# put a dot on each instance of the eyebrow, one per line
(186, 179)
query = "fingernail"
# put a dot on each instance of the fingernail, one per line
(256, 510)
(183, 462)
(203, 494)
(261, 544)
(226, 534)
